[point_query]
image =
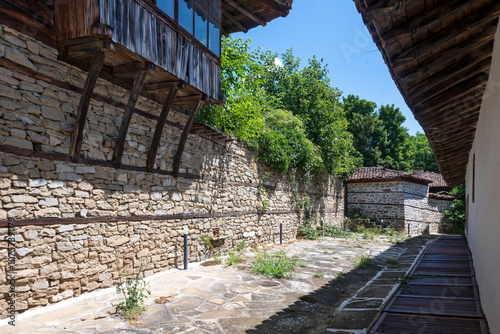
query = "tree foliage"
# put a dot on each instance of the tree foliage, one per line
(456, 214)
(291, 115)
(381, 139)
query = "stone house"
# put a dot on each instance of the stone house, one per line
(445, 59)
(413, 203)
(100, 154)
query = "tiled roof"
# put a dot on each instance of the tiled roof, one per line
(380, 173)
(437, 180)
(441, 196)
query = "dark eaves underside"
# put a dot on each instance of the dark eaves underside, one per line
(439, 55)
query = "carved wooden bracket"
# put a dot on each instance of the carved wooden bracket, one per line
(139, 81)
(174, 88)
(83, 107)
(185, 134)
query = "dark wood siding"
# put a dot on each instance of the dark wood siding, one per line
(137, 28)
(34, 18)
(75, 18)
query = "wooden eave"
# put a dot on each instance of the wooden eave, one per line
(439, 55)
(243, 15)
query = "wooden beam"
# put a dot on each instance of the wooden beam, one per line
(235, 21)
(456, 32)
(187, 100)
(442, 14)
(247, 13)
(423, 96)
(463, 103)
(452, 116)
(451, 55)
(160, 86)
(185, 134)
(455, 93)
(126, 70)
(429, 79)
(160, 124)
(127, 115)
(83, 107)
(89, 48)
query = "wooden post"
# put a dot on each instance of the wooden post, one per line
(185, 134)
(83, 107)
(174, 88)
(139, 81)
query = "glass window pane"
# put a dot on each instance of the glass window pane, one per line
(167, 6)
(214, 41)
(200, 25)
(186, 15)
(215, 9)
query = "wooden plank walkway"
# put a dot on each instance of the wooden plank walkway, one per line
(440, 295)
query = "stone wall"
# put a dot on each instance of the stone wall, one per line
(404, 205)
(69, 220)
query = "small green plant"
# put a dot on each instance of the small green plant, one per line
(234, 258)
(392, 262)
(276, 265)
(362, 261)
(341, 275)
(240, 247)
(217, 259)
(356, 213)
(293, 308)
(302, 264)
(318, 275)
(208, 242)
(131, 284)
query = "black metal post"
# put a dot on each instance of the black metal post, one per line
(185, 251)
(281, 233)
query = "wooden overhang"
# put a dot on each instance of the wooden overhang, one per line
(243, 15)
(439, 55)
(135, 45)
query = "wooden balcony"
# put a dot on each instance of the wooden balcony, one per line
(139, 34)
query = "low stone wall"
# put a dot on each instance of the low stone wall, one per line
(72, 221)
(404, 205)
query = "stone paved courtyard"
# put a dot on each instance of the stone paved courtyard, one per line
(327, 294)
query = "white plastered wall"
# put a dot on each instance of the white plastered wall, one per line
(484, 212)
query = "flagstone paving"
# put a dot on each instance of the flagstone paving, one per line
(327, 294)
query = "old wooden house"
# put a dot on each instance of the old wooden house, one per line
(444, 56)
(100, 153)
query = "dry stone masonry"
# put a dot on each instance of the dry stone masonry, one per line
(72, 221)
(404, 205)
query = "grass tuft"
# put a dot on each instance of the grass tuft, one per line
(363, 261)
(276, 265)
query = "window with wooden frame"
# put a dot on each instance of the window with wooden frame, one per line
(200, 18)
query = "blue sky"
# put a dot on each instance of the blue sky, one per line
(333, 30)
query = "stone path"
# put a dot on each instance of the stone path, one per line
(327, 294)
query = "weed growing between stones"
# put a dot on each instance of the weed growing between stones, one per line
(310, 230)
(234, 258)
(363, 261)
(131, 284)
(276, 265)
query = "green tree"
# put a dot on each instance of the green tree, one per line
(456, 214)
(366, 128)
(394, 144)
(421, 153)
(308, 94)
(262, 97)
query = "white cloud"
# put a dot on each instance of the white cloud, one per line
(278, 62)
